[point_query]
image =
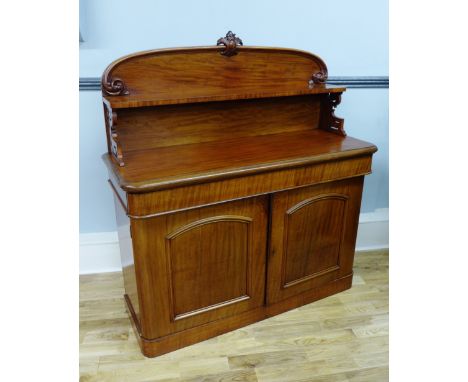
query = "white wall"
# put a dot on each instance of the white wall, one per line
(351, 36)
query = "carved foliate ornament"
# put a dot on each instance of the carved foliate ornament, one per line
(115, 86)
(231, 42)
(319, 78)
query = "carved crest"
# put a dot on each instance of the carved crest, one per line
(231, 42)
(115, 86)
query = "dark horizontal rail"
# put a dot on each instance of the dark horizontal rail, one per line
(363, 82)
(369, 82)
(90, 83)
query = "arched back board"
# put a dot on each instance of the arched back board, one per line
(198, 74)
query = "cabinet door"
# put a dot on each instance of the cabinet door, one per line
(200, 265)
(312, 238)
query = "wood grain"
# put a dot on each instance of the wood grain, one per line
(316, 217)
(141, 205)
(299, 345)
(127, 256)
(201, 74)
(162, 126)
(312, 236)
(197, 266)
(210, 252)
(172, 166)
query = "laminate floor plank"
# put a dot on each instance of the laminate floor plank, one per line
(342, 338)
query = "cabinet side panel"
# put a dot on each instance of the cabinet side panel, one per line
(126, 256)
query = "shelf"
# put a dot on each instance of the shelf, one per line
(184, 97)
(174, 166)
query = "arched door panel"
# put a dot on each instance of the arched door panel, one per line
(201, 265)
(312, 237)
(208, 263)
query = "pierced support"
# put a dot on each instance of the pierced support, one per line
(333, 123)
(114, 87)
(231, 42)
(112, 137)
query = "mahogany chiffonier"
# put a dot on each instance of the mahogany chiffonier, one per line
(237, 191)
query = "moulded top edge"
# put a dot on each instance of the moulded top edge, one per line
(132, 101)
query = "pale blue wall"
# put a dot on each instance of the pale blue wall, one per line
(96, 203)
(351, 36)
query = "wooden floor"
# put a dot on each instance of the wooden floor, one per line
(341, 338)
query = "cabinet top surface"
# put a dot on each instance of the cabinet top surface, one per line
(167, 167)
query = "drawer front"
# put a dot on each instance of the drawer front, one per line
(160, 202)
(312, 238)
(200, 265)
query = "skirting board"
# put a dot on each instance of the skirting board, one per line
(99, 251)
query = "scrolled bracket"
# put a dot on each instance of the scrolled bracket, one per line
(114, 87)
(114, 146)
(334, 124)
(231, 42)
